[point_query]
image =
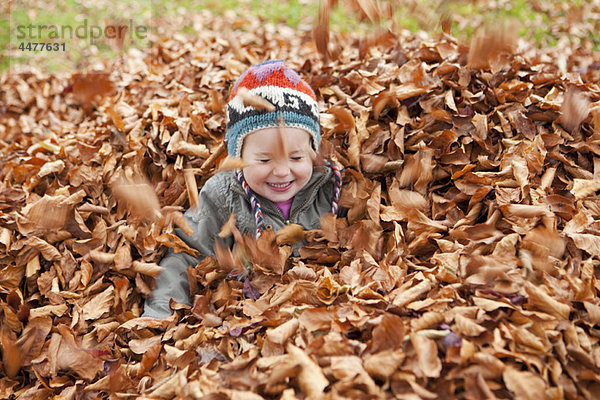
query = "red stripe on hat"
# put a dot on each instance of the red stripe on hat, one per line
(277, 78)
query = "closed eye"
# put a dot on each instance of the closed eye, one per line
(297, 158)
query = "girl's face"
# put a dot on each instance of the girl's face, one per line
(280, 162)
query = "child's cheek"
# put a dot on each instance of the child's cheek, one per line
(256, 173)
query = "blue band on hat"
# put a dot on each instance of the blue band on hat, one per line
(237, 133)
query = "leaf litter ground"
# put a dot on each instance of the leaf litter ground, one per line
(466, 267)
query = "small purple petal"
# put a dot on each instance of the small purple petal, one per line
(237, 331)
(467, 112)
(451, 340)
(517, 299)
(250, 291)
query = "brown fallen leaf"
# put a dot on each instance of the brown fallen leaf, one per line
(99, 304)
(33, 338)
(583, 188)
(384, 364)
(150, 269)
(311, 379)
(382, 100)
(315, 319)
(405, 296)
(539, 299)
(11, 354)
(64, 353)
(149, 357)
(471, 203)
(116, 118)
(388, 334)
(190, 149)
(283, 332)
(467, 327)
(587, 242)
(524, 384)
(428, 320)
(48, 213)
(428, 360)
(141, 346)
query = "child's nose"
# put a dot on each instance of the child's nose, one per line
(282, 168)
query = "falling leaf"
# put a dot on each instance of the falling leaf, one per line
(489, 43)
(290, 234)
(321, 30)
(192, 188)
(252, 100)
(88, 88)
(231, 163)
(574, 109)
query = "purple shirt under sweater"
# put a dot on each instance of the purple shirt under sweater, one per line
(285, 207)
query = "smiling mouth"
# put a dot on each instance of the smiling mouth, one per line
(280, 186)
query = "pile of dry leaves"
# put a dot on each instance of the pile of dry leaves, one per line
(466, 267)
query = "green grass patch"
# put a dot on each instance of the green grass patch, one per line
(538, 23)
(81, 32)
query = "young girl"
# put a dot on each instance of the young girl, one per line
(279, 186)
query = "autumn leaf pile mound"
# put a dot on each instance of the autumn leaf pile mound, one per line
(466, 267)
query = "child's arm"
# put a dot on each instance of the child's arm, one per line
(206, 222)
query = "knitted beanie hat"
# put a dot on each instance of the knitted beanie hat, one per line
(294, 101)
